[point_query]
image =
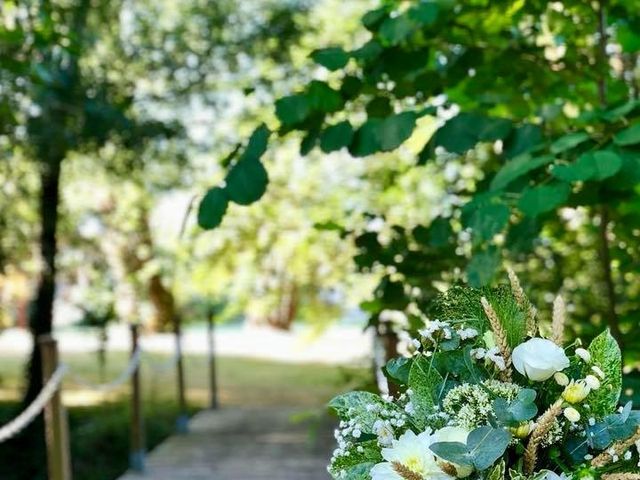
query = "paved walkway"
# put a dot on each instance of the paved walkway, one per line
(244, 444)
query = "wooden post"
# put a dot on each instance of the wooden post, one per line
(213, 381)
(137, 450)
(182, 422)
(55, 416)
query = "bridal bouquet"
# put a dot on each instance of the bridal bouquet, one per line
(485, 395)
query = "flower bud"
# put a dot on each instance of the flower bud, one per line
(592, 382)
(583, 354)
(561, 379)
(576, 392)
(572, 414)
(521, 431)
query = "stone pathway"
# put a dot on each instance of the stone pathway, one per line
(244, 444)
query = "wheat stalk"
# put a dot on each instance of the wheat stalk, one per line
(559, 319)
(524, 303)
(619, 448)
(543, 425)
(500, 337)
(621, 476)
(404, 472)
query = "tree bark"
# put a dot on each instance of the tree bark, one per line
(41, 311)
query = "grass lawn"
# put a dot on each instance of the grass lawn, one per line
(99, 422)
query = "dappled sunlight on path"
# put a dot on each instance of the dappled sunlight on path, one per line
(245, 444)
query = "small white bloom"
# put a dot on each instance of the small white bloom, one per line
(384, 432)
(593, 382)
(538, 359)
(561, 379)
(583, 354)
(572, 414)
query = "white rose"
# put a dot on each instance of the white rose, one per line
(538, 359)
(454, 434)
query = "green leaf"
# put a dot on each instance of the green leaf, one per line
(365, 140)
(212, 208)
(293, 109)
(353, 405)
(373, 18)
(497, 472)
(605, 353)
(541, 199)
(455, 452)
(425, 381)
(398, 369)
(332, 58)
(482, 267)
(323, 98)
(488, 221)
(257, 143)
(568, 142)
(395, 30)
(247, 181)
(629, 136)
(518, 167)
(590, 166)
(425, 13)
(522, 140)
(492, 129)
(459, 134)
(336, 137)
(486, 445)
(360, 453)
(394, 130)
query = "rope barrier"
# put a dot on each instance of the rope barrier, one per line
(131, 367)
(19, 423)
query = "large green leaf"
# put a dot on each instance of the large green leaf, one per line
(394, 130)
(484, 446)
(605, 354)
(212, 208)
(395, 30)
(459, 134)
(257, 143)
(323, 98)
(336, 137)
(293, 109)
(518, 167)
(598, 165)
(522, 140)
(544, 198)
(247, 181)
(629, 136)
(425, 382)
(482, 267)
(365, 140)
(425, 13)
(332, 58)
(568, 142)
(488, 221)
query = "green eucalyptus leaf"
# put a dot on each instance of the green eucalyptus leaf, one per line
(454, 452)
(486, 445)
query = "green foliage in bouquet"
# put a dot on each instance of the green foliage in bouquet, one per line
(484, 395)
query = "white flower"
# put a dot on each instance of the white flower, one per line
(538, 359)
(561, 379)
(583, 354)
(592, 381)
(572, 414)
(384, 431)
(412, 452)
(493, 355)
(454, 434)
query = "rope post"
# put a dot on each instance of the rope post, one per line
(182, 422)
(55, 416)
(213, 381)
(137, 452)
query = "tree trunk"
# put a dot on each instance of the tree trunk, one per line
(41, 312)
